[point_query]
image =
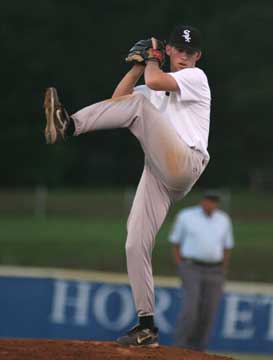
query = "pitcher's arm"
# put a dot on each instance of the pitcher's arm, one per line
(156, 79)
(128, 82)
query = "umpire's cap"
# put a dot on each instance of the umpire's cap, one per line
(183, 36)
(213, 195)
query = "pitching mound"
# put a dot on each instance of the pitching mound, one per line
(91, 350)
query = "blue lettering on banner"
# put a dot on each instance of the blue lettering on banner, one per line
(58, 308)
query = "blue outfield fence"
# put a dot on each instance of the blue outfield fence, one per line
(59, 307)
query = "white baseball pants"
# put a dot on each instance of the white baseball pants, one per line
(171, 168)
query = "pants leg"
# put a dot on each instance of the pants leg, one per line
(171, 169)
(188, 318)
(175, 164)
(148, 212)
(212, 286)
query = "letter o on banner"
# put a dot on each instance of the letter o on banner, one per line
(126, 311)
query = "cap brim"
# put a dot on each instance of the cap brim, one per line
(215, 196)
(184, 46)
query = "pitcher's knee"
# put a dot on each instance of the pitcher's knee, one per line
(132, 249)
(136, 248)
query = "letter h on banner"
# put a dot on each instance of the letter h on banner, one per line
(70, 302)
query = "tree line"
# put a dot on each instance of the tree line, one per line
(80, 47)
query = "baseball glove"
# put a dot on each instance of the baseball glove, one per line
(147, 50)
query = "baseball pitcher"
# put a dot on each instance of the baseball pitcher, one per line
(170, 117)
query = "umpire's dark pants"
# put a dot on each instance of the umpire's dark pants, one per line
(202, 290)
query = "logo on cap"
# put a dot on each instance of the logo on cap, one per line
(186, 35)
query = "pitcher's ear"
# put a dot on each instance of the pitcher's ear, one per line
(199, 55)
(168, 49)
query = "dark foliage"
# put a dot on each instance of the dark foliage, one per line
(79, 46)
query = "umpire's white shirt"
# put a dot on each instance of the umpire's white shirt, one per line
(200, 236)
(188, 110)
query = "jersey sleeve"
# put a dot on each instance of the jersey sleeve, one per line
(177, 231)
(191, 83)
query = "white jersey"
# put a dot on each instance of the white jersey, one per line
(188, 110)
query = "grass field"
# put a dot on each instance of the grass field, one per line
(87, 230)
(99, 244)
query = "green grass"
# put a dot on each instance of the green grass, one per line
(86, 229)
(63, 242)
(98, 243)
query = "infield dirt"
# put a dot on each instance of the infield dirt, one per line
(15, 349)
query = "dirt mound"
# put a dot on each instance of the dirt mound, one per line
(22, 349)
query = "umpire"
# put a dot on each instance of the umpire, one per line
(202, 238)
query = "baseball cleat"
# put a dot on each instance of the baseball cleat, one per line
(139, 337)
(57, 118)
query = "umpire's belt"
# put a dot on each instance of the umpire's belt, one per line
(202, 263)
